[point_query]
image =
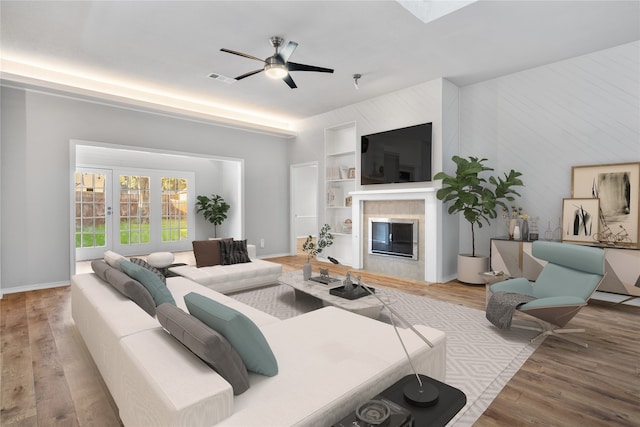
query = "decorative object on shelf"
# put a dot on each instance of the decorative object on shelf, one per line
(352, 173)
(477, 199)
(524, 227)
(548, 234)
(313, 249)
(214, 209)
(516, 232)
(580, 220)
(347, 226)
(348, 201)
(534, 230)
(617, 186)
(512, 215)
(557, 233)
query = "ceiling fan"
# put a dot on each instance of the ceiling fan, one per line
(278, 66)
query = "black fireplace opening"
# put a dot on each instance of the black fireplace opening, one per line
(393, 237)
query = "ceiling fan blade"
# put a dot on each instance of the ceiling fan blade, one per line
(242, 54)
(249, 74)
(286, 51)
(292, 66)
(288, 80)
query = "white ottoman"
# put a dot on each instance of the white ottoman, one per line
(160, 259)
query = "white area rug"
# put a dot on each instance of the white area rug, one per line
(481, 359)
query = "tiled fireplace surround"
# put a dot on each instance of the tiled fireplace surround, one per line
(420, 204)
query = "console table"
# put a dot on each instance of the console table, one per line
(622, 265)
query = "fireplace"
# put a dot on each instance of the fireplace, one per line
(394, 237)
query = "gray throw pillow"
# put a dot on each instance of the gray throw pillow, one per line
(236, 327)
(207, 344)
(124, 284)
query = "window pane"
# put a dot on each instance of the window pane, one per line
(174, 209)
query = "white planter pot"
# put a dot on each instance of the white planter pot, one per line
(469, 268)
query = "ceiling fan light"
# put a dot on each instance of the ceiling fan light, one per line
(276, 71)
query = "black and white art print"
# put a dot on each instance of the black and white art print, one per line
(617, 187)
(580, 220)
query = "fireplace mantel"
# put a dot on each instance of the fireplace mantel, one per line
(432, 233)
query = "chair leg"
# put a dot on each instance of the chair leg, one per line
(547, 329)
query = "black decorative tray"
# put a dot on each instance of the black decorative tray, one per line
(324, 280)
(355, 293)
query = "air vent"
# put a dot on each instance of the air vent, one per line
(223, 79)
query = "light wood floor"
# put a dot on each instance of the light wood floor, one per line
(48, 377)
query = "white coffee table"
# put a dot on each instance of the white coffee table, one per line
(368, 306)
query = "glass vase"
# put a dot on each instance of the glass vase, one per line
(524, 230)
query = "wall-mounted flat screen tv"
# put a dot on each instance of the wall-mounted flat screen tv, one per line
(399, 155)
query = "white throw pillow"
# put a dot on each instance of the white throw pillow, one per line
(113, 259)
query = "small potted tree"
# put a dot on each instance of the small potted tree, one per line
(214, 209)
(477, 199)
(313, 249)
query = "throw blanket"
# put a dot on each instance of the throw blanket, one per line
(502, 305)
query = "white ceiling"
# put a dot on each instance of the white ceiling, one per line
(172, 46)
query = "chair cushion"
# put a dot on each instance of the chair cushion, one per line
(149, 280)
(241, 332)
(207, 344)
(583, 258)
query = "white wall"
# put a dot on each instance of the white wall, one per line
(423, 103)
(36, 130)
(543, 121)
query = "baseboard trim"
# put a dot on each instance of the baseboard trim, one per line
(27, 288)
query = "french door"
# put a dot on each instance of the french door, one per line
(133, 212)
(93, 212)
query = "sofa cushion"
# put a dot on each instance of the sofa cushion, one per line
(124, 284)
(207, 344)
(113, 259)
(241, 332)
(234, 252)
(145, 264)
(154, 285)
(207, 252)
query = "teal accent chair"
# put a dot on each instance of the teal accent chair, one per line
(572, 274)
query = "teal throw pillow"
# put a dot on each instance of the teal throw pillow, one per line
(149, 280)
(238, 329)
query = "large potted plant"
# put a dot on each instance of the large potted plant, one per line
(477, 198)
(314, 248)
(214, 209)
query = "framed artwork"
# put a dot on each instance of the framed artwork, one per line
(348, 201)
(352, 173)
(617, 186)
(580, 220)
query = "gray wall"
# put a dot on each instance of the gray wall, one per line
(36, 172)
(543, 121)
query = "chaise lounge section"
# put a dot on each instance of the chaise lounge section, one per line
(231, 277)
(329, 362)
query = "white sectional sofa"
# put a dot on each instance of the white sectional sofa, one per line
(329, 361)
(233, 278)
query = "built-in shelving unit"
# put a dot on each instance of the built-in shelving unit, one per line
(340, 180)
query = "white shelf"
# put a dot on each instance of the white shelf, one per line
(340, 163)
(342, 153)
